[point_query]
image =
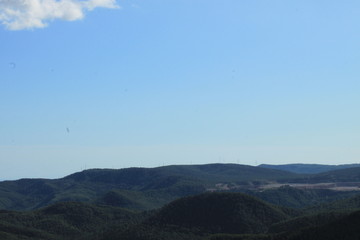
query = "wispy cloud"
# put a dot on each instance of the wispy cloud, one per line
(29, 14)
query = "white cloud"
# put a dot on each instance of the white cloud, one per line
(28, 14)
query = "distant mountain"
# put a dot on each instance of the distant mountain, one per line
(150, 188)
(341, 175)
(136, 188)
(208, 173)
(347, 177)
(308, 168)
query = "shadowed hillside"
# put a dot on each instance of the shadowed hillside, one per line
(220, 213)
(197, 217)
(63, 221)
(215, 216)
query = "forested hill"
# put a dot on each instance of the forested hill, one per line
(139, 188)
(207, 216)
(68, 220)
(220, 213)
(200, 202)
(208, 173)
(308, 168)
(341, 175)
(149, 188)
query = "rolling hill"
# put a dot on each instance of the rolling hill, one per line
(220, 213)
(200, 216)
(341, 175)
(214, 216)
(308, 168)
(63, 221)
(147, 187)
(198, 202)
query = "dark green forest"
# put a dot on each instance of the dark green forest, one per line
(205, 202)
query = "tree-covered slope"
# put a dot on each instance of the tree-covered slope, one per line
(63, 221)
(300, 198)
(208, 216)
(199, 216)
(324, 226)
(303, 168)
(342, 175)
(208, 173)
(349, 204)
(220, 213)
(141, 185)
(344, 228)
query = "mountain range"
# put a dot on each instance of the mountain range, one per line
(213, 201)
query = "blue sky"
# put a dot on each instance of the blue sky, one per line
(105, 84)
